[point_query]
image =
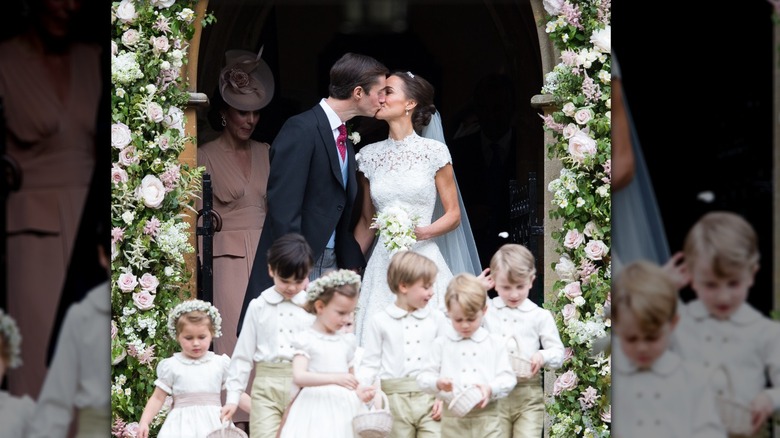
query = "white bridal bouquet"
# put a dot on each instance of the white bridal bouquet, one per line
(396, 227)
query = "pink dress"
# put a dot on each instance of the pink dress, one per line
(241, 204)
(53, 141)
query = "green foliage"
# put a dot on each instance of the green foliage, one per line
(580, 128)
(150, 190)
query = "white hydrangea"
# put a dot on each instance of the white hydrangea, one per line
(125, 68)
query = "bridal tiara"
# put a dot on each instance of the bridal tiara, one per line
(410, 74)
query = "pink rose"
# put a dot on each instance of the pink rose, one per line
(174, 119)
(127, 282)
(151, 191)
(569, 130)
(591, 229)
(566, 269)
(128, 157)
(606, 415)
(131, 37)
(118, 175)
(565, 382)
(131, 430)
(149, 282)
(114, 48)
(154, 112)
(596, 250)
(143, 300)
(581, 146)
(573, 239)
(572, 290)
(568, 353)
(552, 7)
(114, 330)
(569, 109)
(159, 44)
(569, 312)
(602, 39)
(583, 116)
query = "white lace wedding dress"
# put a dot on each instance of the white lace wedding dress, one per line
(402, 174)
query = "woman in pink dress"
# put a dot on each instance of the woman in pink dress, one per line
(50, 85)
(239, 169)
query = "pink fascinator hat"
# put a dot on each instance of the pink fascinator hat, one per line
(246, 82)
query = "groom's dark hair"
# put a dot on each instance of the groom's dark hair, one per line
(354, 70)
(290, 256)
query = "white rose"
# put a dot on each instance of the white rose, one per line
(186, 15)
(128, 217)
(125, 12)
(151, 191)
(573, 239)
(114, 49)
(583, 116)
(596, 250)
(602, 39)
(591, 229)
(165, 65)
(127, 282)
(579, 301)
(162, 4)
(120, 135)
(151, 88)
(131, 37)
(174, 119)
(581, 146)
(569, 109)
(143, 300)
(155, 112)
(566, 269)
(553, 7)
(168, 271)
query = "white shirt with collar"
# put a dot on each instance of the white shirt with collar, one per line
(747, 346)
(270, 325)
(531, 326)
(482, 359)
(397, 343)
(79, 376)
(672, 399)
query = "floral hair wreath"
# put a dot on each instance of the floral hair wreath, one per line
(331, 280)
(194, 306)
(11, 336)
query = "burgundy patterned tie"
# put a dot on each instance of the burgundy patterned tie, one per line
(341, 141)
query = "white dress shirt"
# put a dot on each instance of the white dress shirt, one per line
(270, 325)
(747, 346)
(531, 326)
(672, 399)
(397, 343)
(80, 372)
(482, 359)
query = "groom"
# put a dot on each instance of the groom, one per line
(311, 184)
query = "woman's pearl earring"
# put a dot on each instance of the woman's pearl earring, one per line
(407, 111)
(224, 122)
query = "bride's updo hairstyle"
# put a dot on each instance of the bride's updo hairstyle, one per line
(421, 91)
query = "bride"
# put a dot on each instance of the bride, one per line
(413, 173)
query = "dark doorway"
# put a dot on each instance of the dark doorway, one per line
(452, 43)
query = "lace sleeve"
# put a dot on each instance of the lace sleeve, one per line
(366, 160)
(440, 154)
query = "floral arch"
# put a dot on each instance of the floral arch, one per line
(154, 185)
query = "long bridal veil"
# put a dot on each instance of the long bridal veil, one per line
(457, 246)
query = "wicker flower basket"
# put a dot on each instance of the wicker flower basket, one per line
(376, 423)
(465, 401)
(228, 430)
(735, 415)
(520, 365)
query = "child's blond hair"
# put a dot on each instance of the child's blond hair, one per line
(724, 240)
(409, 267)
(644, 289)
(466, 290)
(516, 261)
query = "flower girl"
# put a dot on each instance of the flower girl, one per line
(330, 395)
(15, 412)
(194, 376)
